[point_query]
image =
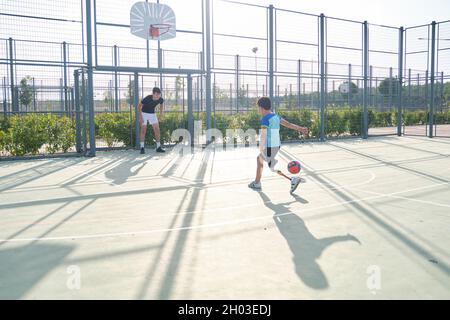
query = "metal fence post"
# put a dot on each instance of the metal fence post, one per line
(110, 99)
(130, 107)
(5, 106)
(15, 107)
(290, 95)
(371, 86)
(322, 77)
(376, 94)
(333, 96)
(136, 110)
(416, 102)
(271, 51)
(409, 88)
(400, 83)
(197, 96)
(190, 111)
(17, 98)
(214, 100)
(426, 88)
(247, 97)
(237, 82)
(365, 132)
(90, 80)
(208, 52)
(34, 96)
(116, 82)
(349, 93)
(66, 102)
(442, 91)
(299, 83)
(433, 56)
(200, 79)
(390, 87)
(85, 103)
(277, 95)
(160, 64)
(77, 110)
(61, 95)
(231, 98)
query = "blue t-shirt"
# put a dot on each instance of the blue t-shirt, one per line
(271, 122)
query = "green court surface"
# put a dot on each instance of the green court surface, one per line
(370, 221)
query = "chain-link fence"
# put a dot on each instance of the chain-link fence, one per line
(338, 76)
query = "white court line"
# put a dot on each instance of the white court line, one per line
(249, 191)
(204, 226)
(438, 204)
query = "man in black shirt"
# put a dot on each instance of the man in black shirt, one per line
(147, 115)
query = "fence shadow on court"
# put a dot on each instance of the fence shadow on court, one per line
(374, 215)
(305, 247)
(22, 268)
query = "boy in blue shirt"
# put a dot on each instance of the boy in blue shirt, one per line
(269, 142)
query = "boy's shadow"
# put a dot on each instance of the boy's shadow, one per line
(123, 171)
(306, 248)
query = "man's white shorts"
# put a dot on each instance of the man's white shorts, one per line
(149, 117)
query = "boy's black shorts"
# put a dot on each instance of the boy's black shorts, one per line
(269, 155)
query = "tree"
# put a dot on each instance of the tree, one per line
(178, 88)
(242, 99)
(26, 92)
(107, 97)
(220, 95)
(345, 88)
(447, 93)
(388, 87)
(129, 95)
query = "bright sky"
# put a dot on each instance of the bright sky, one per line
(238, 20)
(391, 12)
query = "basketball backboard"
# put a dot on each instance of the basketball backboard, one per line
(152, 21)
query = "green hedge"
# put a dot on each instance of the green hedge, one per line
(28, 134)
(34, 133)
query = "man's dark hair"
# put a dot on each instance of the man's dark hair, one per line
(265, 103)
(156, 90)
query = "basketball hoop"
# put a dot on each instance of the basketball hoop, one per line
(157, 30)
(152, 21)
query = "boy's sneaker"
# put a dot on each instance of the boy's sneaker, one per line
(142, 151)
(295, 181)
(161, 150)
(255, 186)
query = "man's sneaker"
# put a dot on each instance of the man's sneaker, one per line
(142, 151)
(159, 149)
(255, 186)
(295, 181)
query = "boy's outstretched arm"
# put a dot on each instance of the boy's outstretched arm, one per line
(292, 126)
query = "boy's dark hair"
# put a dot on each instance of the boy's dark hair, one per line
(156, 90)
(265, 103)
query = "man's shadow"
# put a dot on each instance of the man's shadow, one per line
(306, 248)
(125, 170)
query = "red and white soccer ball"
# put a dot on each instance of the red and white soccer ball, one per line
(294, 167)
